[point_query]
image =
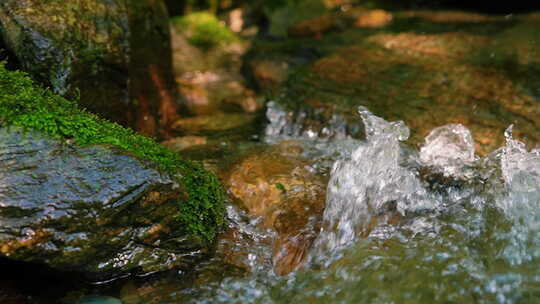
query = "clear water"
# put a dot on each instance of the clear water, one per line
(436, 224)
(468, 228)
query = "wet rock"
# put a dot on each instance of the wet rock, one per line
(96, 210)
(314, 27)
(211, 123)
(279, 187)
(182, 143)
(426, 69)
(373, 18)
(98, 50)
(269, 74)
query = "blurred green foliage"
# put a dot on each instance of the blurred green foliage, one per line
(204, 30)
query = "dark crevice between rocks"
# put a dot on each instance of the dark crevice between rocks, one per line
(12, 63)
(35, 281)
(504, 8)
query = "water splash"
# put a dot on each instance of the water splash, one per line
(381, 180)
(370, 183)
(467, 231)
(308, 123)
(448, 149)
(520, 171)
(321, 143)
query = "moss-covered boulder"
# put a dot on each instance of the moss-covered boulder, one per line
(426, 68)
(82, 194)
(114, 54)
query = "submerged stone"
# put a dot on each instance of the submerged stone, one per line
(277, 186)
(98, 50)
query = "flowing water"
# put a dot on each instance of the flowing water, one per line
(403, 226)
(437, 224)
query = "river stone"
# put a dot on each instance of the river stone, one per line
(277, 185)
(98, 50)
(95, 210)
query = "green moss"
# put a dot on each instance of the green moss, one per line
(204, 30)
(25, 105)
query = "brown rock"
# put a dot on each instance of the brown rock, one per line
(314, 27)
(211, 123)
(373, 18)
(196, 99)
(290, 198)
(181, 143)
(450, 16)
(269, 74)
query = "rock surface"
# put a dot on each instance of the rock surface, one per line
(96, 209)
(98, 49)
(426, 68)
(277, 186)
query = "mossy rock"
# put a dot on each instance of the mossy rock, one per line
(93, 196)
(98, 50)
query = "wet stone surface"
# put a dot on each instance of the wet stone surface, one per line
(95, 210)
(279, 187)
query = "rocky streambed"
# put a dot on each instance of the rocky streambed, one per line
(367, 155)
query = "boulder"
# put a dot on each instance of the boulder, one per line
(81, 194)
(98, 50)
(92, 209)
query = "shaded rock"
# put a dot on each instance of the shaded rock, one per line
(95, 209)
(280, 188)
(10, 295)
(98, 50)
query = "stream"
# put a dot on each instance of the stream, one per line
(401, 225)
(419, 210)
